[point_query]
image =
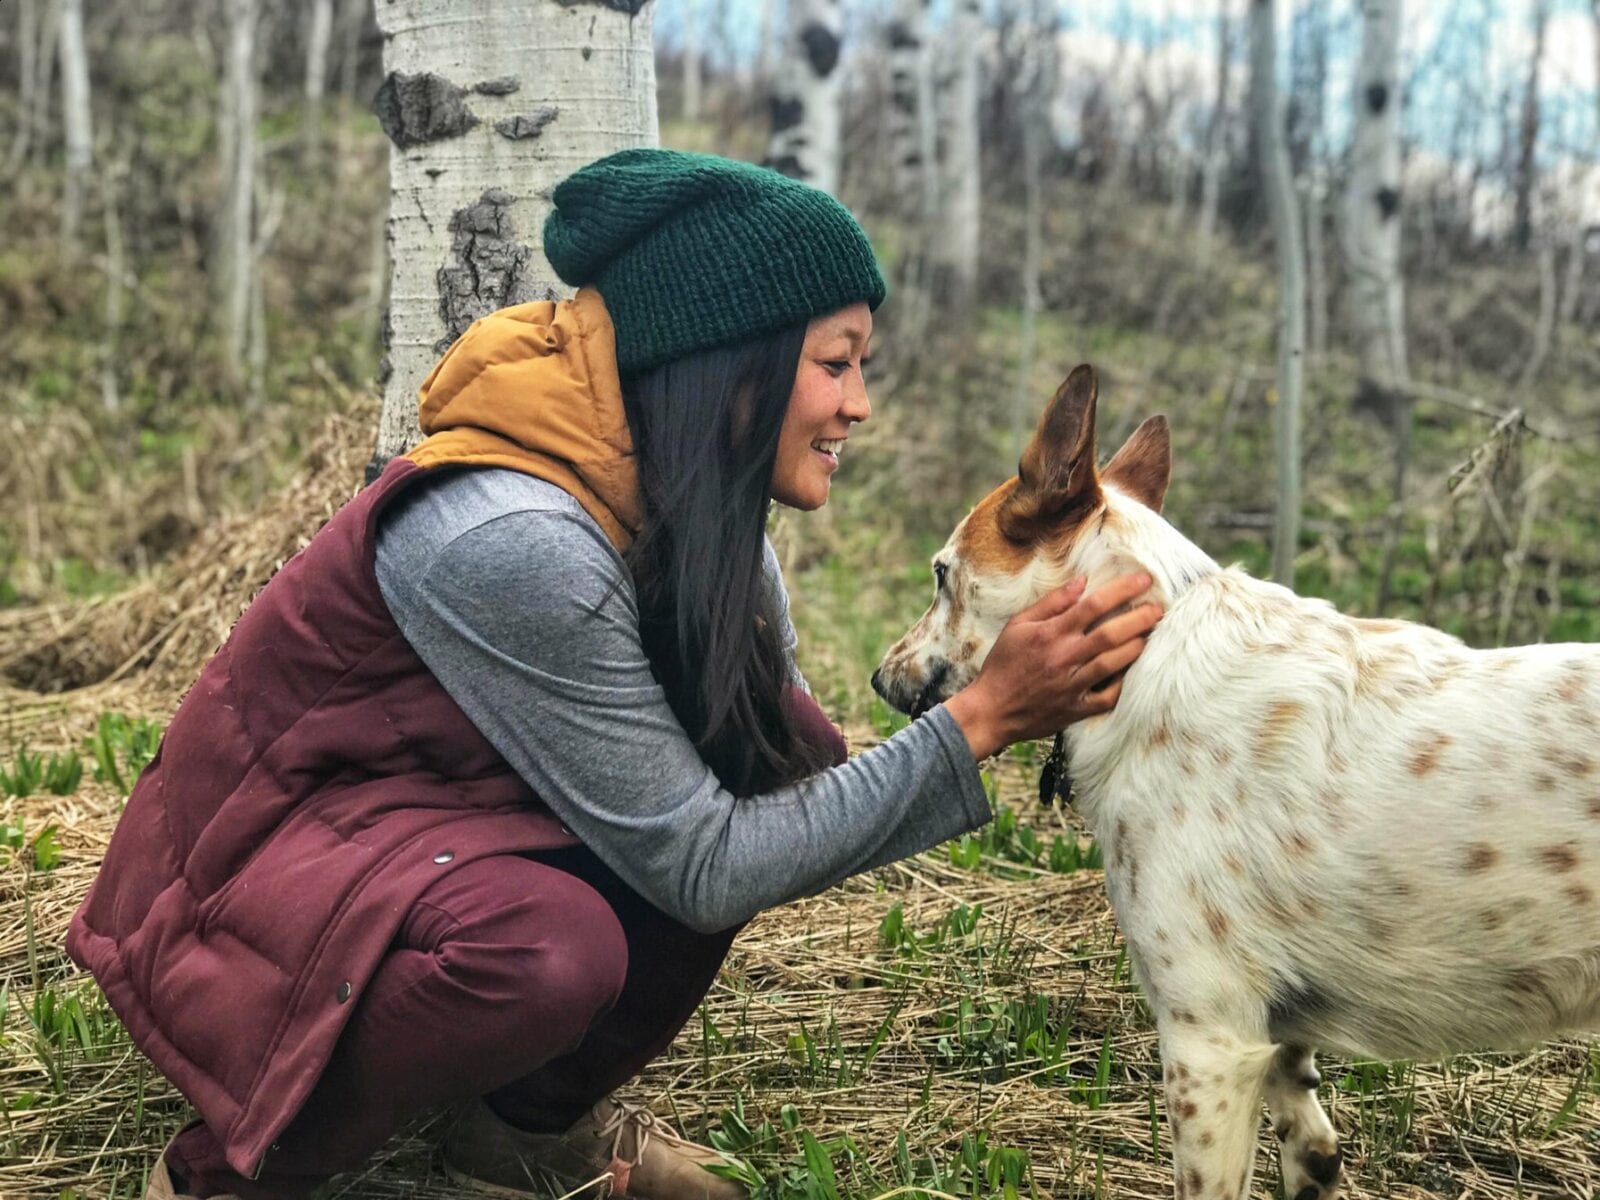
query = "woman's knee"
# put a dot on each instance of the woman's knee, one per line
(531, 943)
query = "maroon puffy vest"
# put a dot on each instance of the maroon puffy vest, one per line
(313, 782)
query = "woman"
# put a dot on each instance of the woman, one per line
(471, 803)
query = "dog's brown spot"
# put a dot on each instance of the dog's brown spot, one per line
(969, 649)
(1180, 814)
(1220, 812)
(1560, 858)
(1217, 923)
(1186, 1109)
(1234, 864)
(1206, 1137)
(1573, 681)
(1295, 843)
(1579, 894)
(1428, 752)
(1579, 766)
(1160, 737)
(1593, 807)
(1277, 729)
(1195, 1180)
(1222, 1104)
(1480, 857)
(1490, 919)
(1184, 1017)
(1544, 781)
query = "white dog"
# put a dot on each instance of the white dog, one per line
(1319, 832)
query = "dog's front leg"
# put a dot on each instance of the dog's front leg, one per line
(1311, 1155)
(1213, 1087)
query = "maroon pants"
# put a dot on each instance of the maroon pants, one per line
(541, 982)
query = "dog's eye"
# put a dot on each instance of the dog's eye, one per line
(938, 575)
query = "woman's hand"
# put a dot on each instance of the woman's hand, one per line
(1044, 669)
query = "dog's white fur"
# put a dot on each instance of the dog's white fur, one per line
(1318, 831)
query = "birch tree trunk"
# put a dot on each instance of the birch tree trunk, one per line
(693, 43)
(75, 119)
(1372, 251)
(960, 205)
(1038, 86)
(912, 132)
(1216, 134)
(234, 236)
(318, 40)
(484, 117)
(1528, 132)
(1284, 216)
(45, 59)
(805, 97)
(28, 80)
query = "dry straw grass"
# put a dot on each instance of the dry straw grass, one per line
(815, 1009)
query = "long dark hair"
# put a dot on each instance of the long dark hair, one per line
(705, 431)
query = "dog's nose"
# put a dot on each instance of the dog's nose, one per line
(877, 682)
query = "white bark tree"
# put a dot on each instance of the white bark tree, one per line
(75, 120)
(805, 97)
(1216, 153)
(319, 38)
(913, 135)
(1038, 85)
(693, 54)
(484, 117)
(1372, 250)
(960, 207)
(233, 246)
(27, 79)
(1372, 205)
(1284, 215)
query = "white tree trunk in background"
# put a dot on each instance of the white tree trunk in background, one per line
(1037, 87)
(1216, 135)
(1372, 204)
(233, 258)
(913, 145)
(27, 79)
(767, 27)
(484, 117)
(74, 117)
(1284, 214)
(805, 97)
(317, 43)
(693, 51)
(960, 207)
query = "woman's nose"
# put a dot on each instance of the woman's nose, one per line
(856, 405)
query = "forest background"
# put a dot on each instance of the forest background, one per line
(1352, 250)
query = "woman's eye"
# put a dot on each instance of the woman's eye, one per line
(837, 366)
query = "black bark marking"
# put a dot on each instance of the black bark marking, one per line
(822, 49)
(786, 164)
(1388, 202)
(901, 38)
(503, 85)
(414, 109)
(488, 267)
(526, 125)
(631, 7)
(787, 112)
(1377, 96)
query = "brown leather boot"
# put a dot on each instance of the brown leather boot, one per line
(614, 1150)
(161, 1186)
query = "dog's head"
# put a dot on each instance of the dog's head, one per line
(1059, 517)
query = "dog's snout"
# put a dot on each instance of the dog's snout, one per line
(877, 683)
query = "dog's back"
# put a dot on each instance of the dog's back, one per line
(1392, 838)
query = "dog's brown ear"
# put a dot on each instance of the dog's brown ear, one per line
(1057, 470)
(1144, 464)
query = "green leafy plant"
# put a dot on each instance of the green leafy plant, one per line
(121, 747)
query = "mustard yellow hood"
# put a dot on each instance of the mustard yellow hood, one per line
(535, 388)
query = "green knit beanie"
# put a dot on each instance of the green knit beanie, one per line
(692, 251)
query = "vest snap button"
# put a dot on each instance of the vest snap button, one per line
(343, 993)
(444, 856)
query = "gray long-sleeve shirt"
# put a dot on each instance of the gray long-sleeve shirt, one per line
(515, 600)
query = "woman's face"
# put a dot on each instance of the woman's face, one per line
(829, 397)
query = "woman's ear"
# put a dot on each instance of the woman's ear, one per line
(1057, 471)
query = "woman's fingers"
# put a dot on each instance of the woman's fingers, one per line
(1102, 666)
(1054, 602)
(1115, 632)
(1105, 599)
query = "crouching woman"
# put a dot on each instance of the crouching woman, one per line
(470, 805)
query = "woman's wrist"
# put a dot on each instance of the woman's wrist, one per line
(976, 720)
